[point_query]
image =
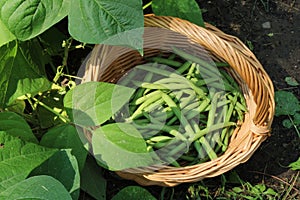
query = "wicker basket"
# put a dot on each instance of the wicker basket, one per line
(245, 68)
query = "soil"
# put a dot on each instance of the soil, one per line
(277, 48)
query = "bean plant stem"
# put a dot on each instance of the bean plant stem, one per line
(51, 110)
(147, 5)
(294, 125)
(71, 76)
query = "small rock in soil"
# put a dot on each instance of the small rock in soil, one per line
(266, 25)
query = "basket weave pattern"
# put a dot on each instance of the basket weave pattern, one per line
(245, 68)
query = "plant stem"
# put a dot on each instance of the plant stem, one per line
(66, 53)
(71, 76)
(147, 5)
(294, 125)
(63, 118)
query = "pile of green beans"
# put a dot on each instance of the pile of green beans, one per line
(185, 107)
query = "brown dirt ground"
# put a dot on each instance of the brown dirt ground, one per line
(280, 56)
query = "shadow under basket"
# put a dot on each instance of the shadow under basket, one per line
(109, 63)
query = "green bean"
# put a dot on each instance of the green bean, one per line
(158, 71)
(172, 120)
(205, 72)
(177, 112)
(210, 152)
(154, 106)
(206, 81)
(231, 107)
(125, 80)
(191, 70)
(221, 85)
(198, 148)
(159, 145)
(190, 107)
(145, 97)
(172, 56)
(198, 90)
(212, 112)
(172, 130)
(154, 86)
(238, 105)
(229, 79)
(139, 110)
(184, 67)
(160, 138)
(172, 162)
(221, 64)
(183, 147)
(216, 135)
(141, 121)
(169, 80)
(192, 58)
(140, 91)
(187, 158)
(212, 128)
(164, 113)
(165, 61)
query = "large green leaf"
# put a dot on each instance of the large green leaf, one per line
(19, 75)
(27, 19)
(184, 9)
(63, 167)
(133, 193)
(16, 126)
(92, 181)
(107, 21)
(5, 35)
(119, 146)
(18, 159)
(286, 103)
(38, 188)
(66, 137)
(93, 103)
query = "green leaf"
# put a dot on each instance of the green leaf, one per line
(93, 103)
(291, 81)
(35, 55)
(270, 191)
(296, 119)
(287, 123)
(18, 75)
(63, 167)
(52, 40)
(286, 103)
(66, 137)
(133, 193)
(261, 187)
(38, 187)
(16, 126)
(107, 21)
(92, 181)
(119, 146)
(27, 19)
(17, 106)
(184, 9)
(5, 35)
(295, 165)
(237, 189)
(18, 159)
